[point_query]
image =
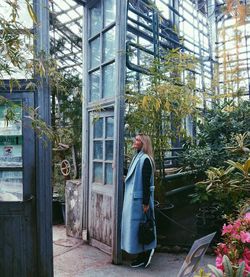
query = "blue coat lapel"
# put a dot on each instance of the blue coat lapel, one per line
(133, 164)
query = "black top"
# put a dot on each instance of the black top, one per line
(146, 174)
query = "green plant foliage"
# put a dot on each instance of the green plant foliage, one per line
(217, 134)
(67, 125)
(227, 266)
(15, 40)
(159, 108)
(217, 272)
(226, 186)
(229, 270)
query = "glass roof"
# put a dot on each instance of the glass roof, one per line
(66, 19)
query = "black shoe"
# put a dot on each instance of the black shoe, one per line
(148, 258)
(138, 263)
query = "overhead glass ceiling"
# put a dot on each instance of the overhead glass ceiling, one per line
(66, 18)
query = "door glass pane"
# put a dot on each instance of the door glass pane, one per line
(108, 174)
(108, 80)
(98, 128)
(109, 127)
(109, 11)
(98, 150)
(95, 53)
(95, 19)
(11, 140)
(95, 86)
(109, 150)
(109, 44)
(97, 173)
(10, 119)
(11, 151)
(11, 186)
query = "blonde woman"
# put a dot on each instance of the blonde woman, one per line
(138, 200)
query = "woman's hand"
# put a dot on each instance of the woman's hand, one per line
(145, 208)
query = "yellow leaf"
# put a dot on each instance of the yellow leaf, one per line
(167, 106)
(145, 102)
(247, 166)
(32, 13)
(157, 104)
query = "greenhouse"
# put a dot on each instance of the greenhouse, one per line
(86, 86)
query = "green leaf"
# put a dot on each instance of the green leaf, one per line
(236, 165)
(240, 270)
(217, 272)
(227, 266)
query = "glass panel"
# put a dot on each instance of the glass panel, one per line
(95, 19)
(95, 86)
(97, 173)
(23, 14)
(11, 134)
(109, 150)
(108, 80)
(11, 151)
(25, 52)
(98, 150)
(109, 127)
(108, 174)
(98, 128)
(10, 119)
(109, 11)
(95, 53)
(11, 186)
(109, 44)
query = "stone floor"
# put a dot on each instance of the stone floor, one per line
(73, 258)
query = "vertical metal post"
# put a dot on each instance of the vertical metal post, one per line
(119, 125)
(212, 34)
(43, 152)
(85, 128)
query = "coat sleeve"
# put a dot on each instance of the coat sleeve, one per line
(146, 175)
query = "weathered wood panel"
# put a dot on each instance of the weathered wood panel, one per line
(73, 205)
(101, 217)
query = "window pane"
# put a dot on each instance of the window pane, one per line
(97, 173)
(10, 151)
(98, 150)
(95, 86)
(108, 80)
(11, 139)
(95, 53)
(11, 186)
(109, 44)
(108, 174)
(95, 19)
(98, 128)
(109, 127)
(109, 150)
(109, 12)
(11, 119)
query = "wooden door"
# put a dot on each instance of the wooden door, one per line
(101, 178)
(17, 188)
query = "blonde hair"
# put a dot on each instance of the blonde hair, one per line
(147, 147)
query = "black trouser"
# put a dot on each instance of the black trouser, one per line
(144, 255)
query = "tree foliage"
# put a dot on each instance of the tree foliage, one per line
(159, 108)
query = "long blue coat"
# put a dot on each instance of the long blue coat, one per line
(132, 213)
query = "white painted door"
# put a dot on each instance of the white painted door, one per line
(101, 178)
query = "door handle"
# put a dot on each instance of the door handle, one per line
(28, 198)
